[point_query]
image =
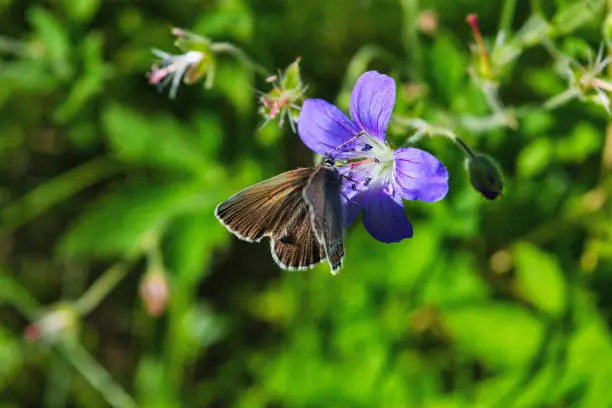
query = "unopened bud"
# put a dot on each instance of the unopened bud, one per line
(485, 176)
(428, 21)
(485, 68)
(52, 324)
(154, 292)
(285, 98)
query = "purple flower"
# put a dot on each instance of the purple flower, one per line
(377, 177)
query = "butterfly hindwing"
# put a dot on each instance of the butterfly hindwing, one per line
(322, 194)
(298, 248)
(265, 209)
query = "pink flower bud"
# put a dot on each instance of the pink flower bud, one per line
(154, 292)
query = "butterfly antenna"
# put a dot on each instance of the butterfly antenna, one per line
(358, 135)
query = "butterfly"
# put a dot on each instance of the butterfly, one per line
(300, 211)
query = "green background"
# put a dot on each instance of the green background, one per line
(500, 303)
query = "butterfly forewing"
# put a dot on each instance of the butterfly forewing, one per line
(265, 209)
(322, 194)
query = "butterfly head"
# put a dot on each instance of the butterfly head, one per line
(328, 160)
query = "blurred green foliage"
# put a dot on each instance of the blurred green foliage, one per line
(105, 182)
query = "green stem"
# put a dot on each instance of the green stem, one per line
(16, 47)
(102, 287)
(95, 375)
(561, 99)
(229, 48)
(13, 293)
(505, 24)
(410, 14)
(536, 7)
(59, 188)
(423, 128)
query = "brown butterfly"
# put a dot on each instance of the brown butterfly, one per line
(300, 211)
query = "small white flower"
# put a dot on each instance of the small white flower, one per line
(173, 69)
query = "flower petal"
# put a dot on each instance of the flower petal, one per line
(418, 175)
(372, 102)
(351, 210)
(350, 194)
(323, 128)
(383, 214)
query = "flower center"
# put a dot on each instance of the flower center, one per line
(376, 167)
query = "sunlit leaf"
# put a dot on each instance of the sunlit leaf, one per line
(54, 35)
(541, 278)
(160, 141)
(534, 157)
(498, 334)
(116, 224)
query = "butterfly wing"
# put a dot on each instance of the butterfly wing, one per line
(298, 249)
(322, 194)
(275, 208)
(264, 209)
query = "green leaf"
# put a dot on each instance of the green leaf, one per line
(54, 35)
(201, 327)
(54, 191)
(584, 140)
(11, 357)
(25, 77)
(209, 133)
(81, 10)
(534, 158)
(235, 82)
(159, 141)
(501, 335)
(192, 241)
(576, 14)
(88, 85)
(543, 83)
(228, 18)
(151, 383)
(541, 278)
(447, 77)
(459, 273)
(536, 122)
(15, 295)
(116, 225)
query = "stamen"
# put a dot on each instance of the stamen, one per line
(367, 148)
(367, 181)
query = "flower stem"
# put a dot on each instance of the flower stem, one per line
(229, 48)
(536, 7)
(15, 47)
(95, 375)
(560, 99)
(505, 24)
(102, 287)
(410, 13)
(424, 128)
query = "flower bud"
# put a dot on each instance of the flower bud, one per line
(485, 176)
(56, 322)
(484, 68)
(154, 291)
(428, 21)
(285, 98)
